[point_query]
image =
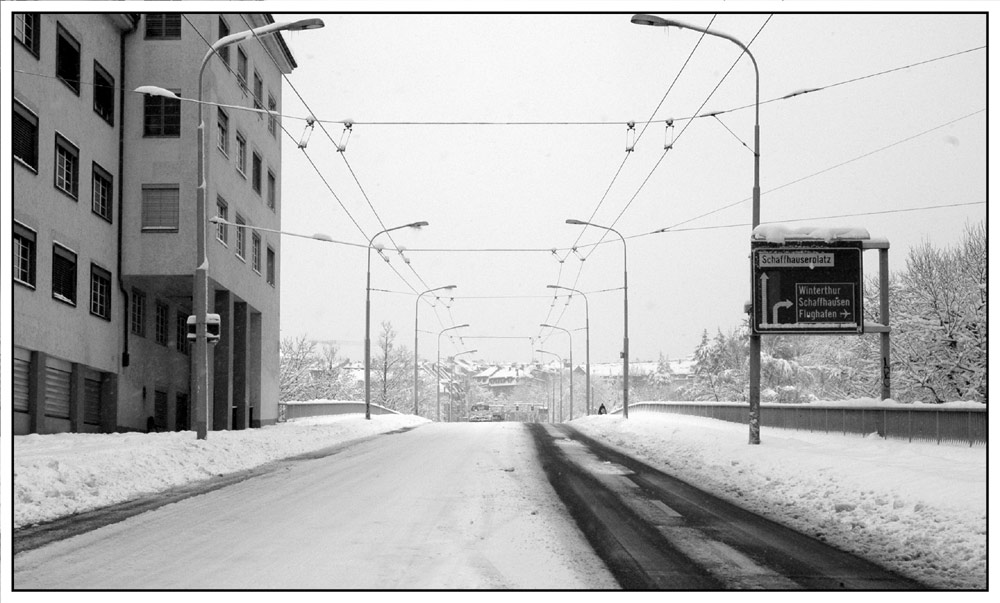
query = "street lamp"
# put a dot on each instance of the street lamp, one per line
(438, 368)
(642, 19)
(586, 306)
(553, 410)
(368, 315)
(416, 334)
(625, 343)
(200, 360)
(570, 335)
(450, 389)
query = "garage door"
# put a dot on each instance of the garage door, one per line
(91, 402)
(57, 380)
(22, 365)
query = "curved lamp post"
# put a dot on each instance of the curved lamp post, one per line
(449, 390)
(438, 368)
(200, 301)
(552, 411)
(416, 336)
(586, 306)
(570, 335)
(625, 343)
(368, 313)
(642, 19)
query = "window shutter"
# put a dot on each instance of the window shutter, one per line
(160, 209)
(25, 143)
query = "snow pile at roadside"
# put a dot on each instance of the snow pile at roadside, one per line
(62, 474)
(917, 508)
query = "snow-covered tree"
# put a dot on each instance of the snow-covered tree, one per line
(938, 318)
(296, 358)
(392, 372)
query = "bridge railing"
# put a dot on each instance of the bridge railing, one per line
(907, 422)
(317, 408)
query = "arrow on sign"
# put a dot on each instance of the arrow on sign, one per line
(763, 298)
(778, 306)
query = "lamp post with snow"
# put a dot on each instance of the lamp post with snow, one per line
(552, 411)
(200, 301)
(570, 335)
(625, 342)
(643, 19)
(368, 314)
(416, 337)
(450, 389)
(438, 367)
(586, 306)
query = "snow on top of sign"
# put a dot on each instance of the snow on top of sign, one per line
(777, 233)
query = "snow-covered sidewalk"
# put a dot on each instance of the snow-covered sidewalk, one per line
(917, 508)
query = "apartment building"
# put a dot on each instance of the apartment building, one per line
(104, 220)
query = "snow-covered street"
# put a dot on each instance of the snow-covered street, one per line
(917, 508)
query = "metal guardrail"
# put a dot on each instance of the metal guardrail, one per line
(948, 425)
(298, 410)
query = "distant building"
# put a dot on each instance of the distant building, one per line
(104, 185)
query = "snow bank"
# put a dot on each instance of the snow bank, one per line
(919, 509)
(63, 474)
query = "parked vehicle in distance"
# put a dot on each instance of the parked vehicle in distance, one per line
(480, 413)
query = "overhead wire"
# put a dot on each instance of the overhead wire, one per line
(672, 228)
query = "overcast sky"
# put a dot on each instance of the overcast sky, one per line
(889, 129)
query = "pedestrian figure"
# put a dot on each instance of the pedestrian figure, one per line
(602, 410)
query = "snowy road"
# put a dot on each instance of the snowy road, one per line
(444, 506)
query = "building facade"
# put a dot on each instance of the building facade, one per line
(104, 219)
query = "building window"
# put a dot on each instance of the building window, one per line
(100, 292)
(24, 255)
(63, 274)
(26, 30)
(161, 116)
(241, 154)
(181, 332)
(162, 321)
(163, 26)
(270, 266)
(272, 118)
(137, 313)
(223, 32)
(258, 165)
(222, 230)
(241, 67)
(272, 190)
(104, 94)
(101, 193)
(258, 93)
(223, 121)
(67, 166)
(241, 237)
(160, 207)
(24, 143)
(68, 59)
(255, 252)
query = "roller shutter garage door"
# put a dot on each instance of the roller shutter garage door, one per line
(91, 402)
(57, 384)
(22, 365)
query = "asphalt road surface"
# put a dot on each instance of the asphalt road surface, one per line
(443, 506)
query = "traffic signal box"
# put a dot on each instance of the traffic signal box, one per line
(807, 287)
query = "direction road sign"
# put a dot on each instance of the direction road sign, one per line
(807, 288)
